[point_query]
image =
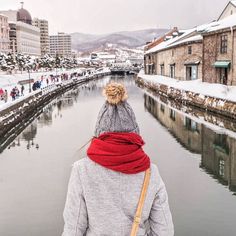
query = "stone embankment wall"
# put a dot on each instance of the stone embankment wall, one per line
(216, 105)
(16, 115)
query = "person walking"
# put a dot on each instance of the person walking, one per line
(13, 94)
(5, 96)
(17, 92)
(115, 190)
(22, 90)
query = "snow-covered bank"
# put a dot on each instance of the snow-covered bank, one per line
(216, 98)
(15, 114)
(8, 82)
(196, 86)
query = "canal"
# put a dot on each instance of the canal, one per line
(196, 157)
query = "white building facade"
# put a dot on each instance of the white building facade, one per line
(60, 44)
(27, 39)
(44, 36)
(24, 37)
(4, 34)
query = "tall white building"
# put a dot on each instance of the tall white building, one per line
(24, 37)
(60, 44)
(27, 39)
(44, 36)
(4, 34)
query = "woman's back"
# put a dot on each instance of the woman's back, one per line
(109, 200)
(105, 187)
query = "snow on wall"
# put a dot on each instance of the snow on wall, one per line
(214, 97)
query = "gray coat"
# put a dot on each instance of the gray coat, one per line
(102, 202)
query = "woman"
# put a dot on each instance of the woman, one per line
(104, 188)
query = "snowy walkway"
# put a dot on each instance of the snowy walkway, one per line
(196, 86)
(10, 81)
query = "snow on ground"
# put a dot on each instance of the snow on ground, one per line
(8, 82)
(196, 86)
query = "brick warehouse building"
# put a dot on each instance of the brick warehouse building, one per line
(219, 52)
(179, 57)
(205, 52)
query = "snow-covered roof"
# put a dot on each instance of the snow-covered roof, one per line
(186, 36)
(225, 23)
(194, 38)
(234, 3)
(168, 43)
(202, 28)
(189, 36)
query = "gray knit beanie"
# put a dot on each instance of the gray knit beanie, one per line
(116, 115)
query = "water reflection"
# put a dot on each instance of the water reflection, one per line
(27, 137)
(48, 114)
(54, 110)
(36, 169)
(185, 131)
(217, 150)
(219, 157)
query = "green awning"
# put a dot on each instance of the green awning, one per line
(222, 64)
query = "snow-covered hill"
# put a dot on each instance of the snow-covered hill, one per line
(130, 39)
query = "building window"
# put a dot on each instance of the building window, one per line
(172, 71)
(189, 49)
(221, 143)
(172, 52)
(172, 114)
(191, 72)
(224, 76)
(162, 108)
(223, 44)
(162, 69)
(191, 125)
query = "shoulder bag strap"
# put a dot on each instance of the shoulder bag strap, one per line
(142, 197)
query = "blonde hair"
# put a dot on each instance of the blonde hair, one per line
(115, 93)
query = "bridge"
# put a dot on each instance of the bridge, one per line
(125, 69)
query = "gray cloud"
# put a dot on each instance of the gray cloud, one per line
(103, 16)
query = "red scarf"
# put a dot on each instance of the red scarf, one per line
(120, 152)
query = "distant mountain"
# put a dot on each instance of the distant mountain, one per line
(130, 39)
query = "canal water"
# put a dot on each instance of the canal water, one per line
(196, 157)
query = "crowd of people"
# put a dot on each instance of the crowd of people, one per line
(17, 92)
(14, 93)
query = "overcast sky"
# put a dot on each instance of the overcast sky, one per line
(105, 16)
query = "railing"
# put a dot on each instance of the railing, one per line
(49, 88)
